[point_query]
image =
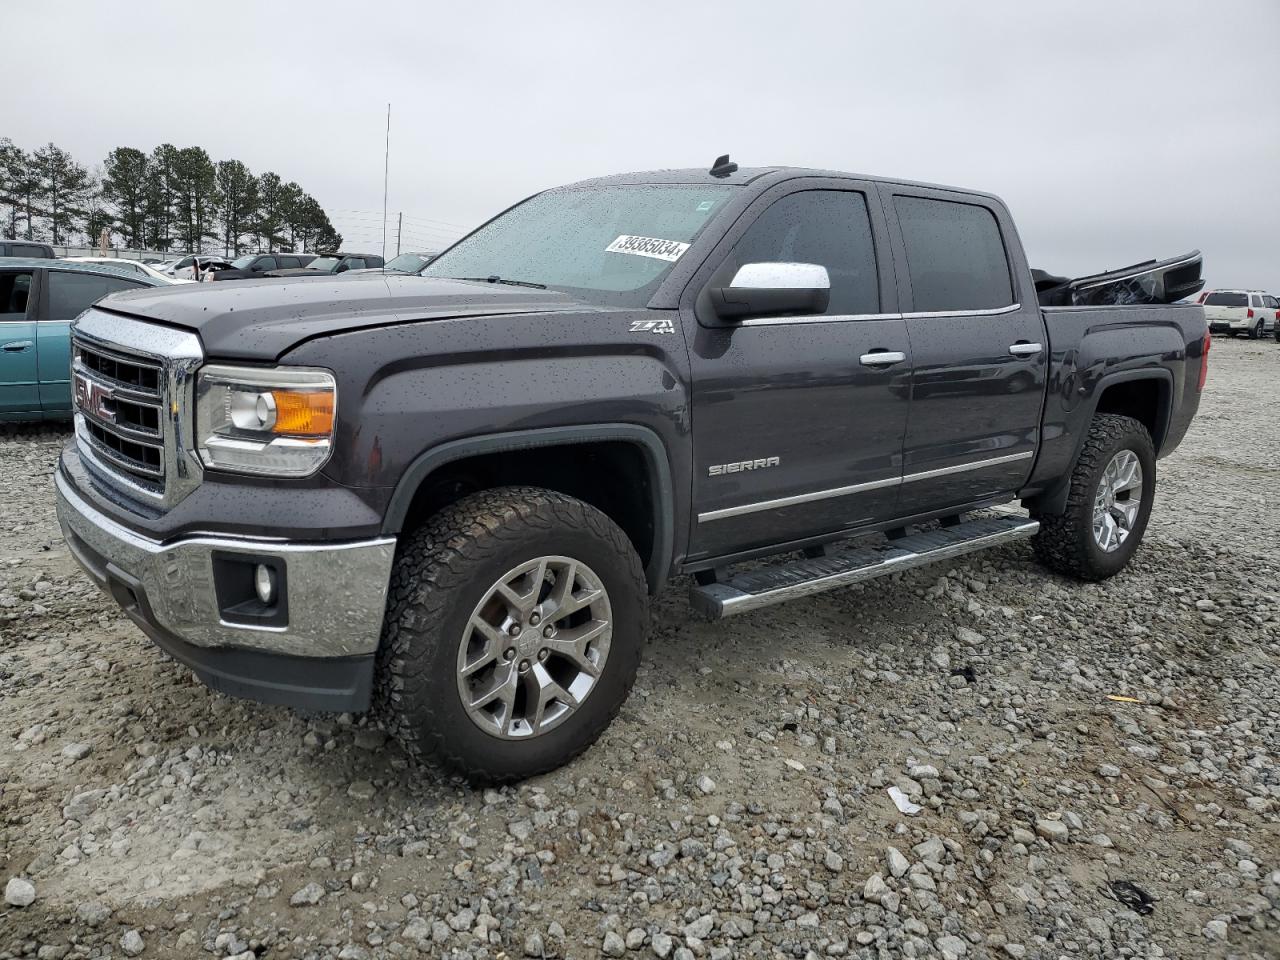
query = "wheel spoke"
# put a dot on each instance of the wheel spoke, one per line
(575, 644)
(548, 691)
(501, 688)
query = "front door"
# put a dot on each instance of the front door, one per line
(979, 351)
(19, 377)
(797, 423)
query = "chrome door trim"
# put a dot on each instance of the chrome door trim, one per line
(816, 318)
(781, 502)
(816, 495)
(965, 467)
(918, 314)
(1025, 349)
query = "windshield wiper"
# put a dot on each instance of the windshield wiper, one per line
(513, 283)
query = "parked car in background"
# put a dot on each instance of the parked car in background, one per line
(25, 248)
(258, 264)
(194, 265)
(129, 266)
(1234, 312)
(39, 298)
(328, 264)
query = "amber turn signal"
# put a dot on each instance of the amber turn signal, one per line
(303, 413)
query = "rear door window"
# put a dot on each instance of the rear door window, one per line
(26, 250)
(288, 263)
(955, 255)
(71, 294)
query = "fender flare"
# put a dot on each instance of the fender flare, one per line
(1053, 501)
(655, 456)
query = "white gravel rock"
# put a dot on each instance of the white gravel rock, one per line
(19, 892)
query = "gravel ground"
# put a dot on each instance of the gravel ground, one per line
(1096, 767)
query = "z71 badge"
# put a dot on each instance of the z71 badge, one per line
(653, 326)
(760, 463)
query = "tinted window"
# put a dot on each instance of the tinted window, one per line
(1256, 300)
(826, 227)
(353, 263)
(70, 294)
(1271, 301)
(1226, 300)
(15, 288)
(266, 263)
(26, 250)
(288, 263)
(955, 257)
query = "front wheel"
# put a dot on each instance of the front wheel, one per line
(1112, 486)
(514, 627)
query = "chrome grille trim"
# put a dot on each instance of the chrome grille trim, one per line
(148, 373)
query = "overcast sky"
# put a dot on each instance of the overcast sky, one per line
(1116, 131)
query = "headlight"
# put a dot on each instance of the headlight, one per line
(277, 422)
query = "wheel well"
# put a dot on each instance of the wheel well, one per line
(612, 476)
(1145, 400)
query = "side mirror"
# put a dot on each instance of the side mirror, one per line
(773, 289)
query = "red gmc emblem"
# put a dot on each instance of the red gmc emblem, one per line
(95, 399)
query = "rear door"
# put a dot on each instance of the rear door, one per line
(66, 296)
(19, 390)
(978, 348)
(794, 434)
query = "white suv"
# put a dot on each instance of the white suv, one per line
(1241, 311)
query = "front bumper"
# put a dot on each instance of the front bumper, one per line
(317, 655)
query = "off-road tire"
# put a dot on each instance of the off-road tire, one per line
(442, 570)
(1065, 543)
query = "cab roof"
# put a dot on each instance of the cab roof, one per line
(759, 176)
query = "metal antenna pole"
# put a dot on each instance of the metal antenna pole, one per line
(399, 229)
(386, 167)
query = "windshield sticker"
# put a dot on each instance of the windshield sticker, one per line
(669, 250)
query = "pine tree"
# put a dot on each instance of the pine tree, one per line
(19, 185)
(124, 185)
(237, 197)
(270, 212)
(64, 187)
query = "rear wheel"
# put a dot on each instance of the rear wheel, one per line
(514, 628)
(1109, 503)
(1256, 332)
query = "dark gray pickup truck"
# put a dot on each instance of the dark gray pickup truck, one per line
(449, 497)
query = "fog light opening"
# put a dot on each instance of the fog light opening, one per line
(264, 584)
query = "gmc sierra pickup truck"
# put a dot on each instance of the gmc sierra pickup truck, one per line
(449, 497)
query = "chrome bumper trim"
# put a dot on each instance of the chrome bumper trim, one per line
(337, 592)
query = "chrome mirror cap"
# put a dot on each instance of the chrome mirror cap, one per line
(781, 276)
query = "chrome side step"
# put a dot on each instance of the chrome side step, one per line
(802, 578)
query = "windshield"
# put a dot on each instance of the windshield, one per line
(407, 263)
(1227, 300)
(242, 263)
(608, 245)
(326, 264)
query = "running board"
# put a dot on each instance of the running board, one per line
(802, 578)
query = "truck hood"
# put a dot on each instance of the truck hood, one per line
(262, 319)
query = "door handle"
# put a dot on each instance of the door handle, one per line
(882, 358)
(1024, 349)
(17, 346)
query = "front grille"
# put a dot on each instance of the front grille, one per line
(120, 399)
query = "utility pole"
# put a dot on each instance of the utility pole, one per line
(399, 228)
(386, 168)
